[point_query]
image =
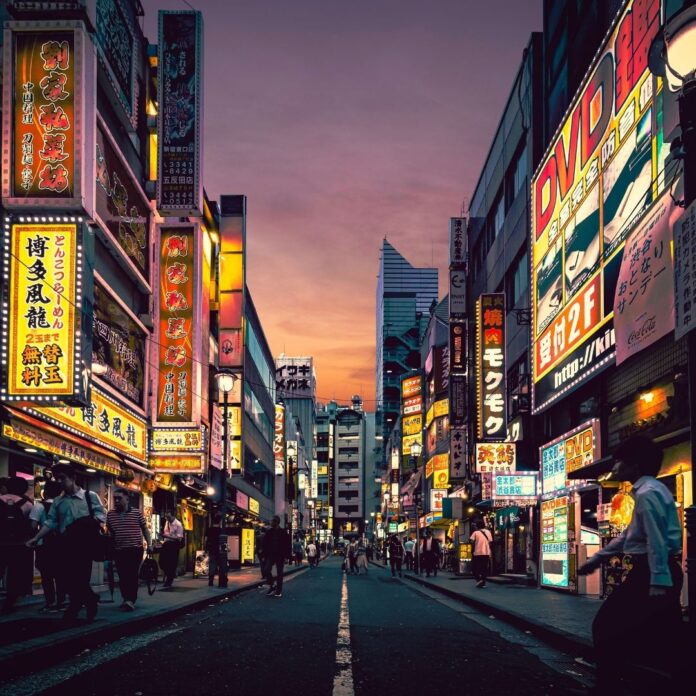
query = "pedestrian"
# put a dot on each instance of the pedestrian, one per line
(352, 557)
(276, 548)
(430, 554)
(47, 556)
(298, 551)
(361, 556)
(74, 515)
(15, 531)
(480, 563)
(640, 621)
(173, 536)
(396, 554)
(312, 554)
(409, 547)
(216, 548)
(127, 529)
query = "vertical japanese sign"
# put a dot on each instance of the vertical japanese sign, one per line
(41, 340)
(644, 299)
(179, 120)
(232, 283)
(599, 175)
(685, 272)
(490, 348)
(44, 130)
(178, 254)
(279, 440)
(411, 405)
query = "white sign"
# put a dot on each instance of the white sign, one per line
(295, 377)
(457, 292)
(515, 486)
(457, 241)
(437, 495)
(644, 297)
(685, 272)
(500, 457)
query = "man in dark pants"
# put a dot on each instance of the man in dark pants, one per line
(73, 515)
(127, 528)
(216, 546)
(640, 622)
(276, 548)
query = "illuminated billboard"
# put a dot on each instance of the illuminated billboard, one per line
(555, 560)
(573, 450)
(41, 343)
(491, 373)
(496, 457)
(177, 335)
(601, 172)
(46, 131)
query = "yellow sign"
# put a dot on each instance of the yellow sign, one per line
(48, 442)
(235, 455)
(429, 468)
(409, 440)
(234, 421)
(177, 463)
(247, 545)
(323, 471)
(429, 416)
(254, 506)
(43, 323)
(441, 408)
(104, 422)
(438, 463)
(189, 440)
(411, 425)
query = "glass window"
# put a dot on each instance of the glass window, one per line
(266, 371)
(499, 217)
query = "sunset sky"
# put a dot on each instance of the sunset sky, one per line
(343, 123)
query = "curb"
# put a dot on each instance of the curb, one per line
(56, 647)
(555, 637)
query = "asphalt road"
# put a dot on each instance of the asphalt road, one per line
(328, 634)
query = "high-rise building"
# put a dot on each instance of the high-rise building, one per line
(404, 296)
(349, 469)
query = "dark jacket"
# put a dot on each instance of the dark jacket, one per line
(276, 544)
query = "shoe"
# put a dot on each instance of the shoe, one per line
(123, 604)
(48, 609)
(130, 606)
(270, 592)
(278, 594)
(480, 583)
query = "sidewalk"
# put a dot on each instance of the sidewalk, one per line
(27, 634)
(562, 620)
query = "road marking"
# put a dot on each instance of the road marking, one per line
(38, 682)
(343, 680)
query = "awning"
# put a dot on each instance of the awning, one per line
(441, 523)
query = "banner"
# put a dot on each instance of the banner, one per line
(496, 457)
(180, 117)
(644, 299)
(491, 378)
(178, 254)
(177, 463)
(43, 277)
(685, 272)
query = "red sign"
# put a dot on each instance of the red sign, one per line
(490, 343)
(575, 323)
(176, 300)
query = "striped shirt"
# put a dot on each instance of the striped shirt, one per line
(126, 528)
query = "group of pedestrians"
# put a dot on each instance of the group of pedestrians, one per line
(355, 559)
(408, 551)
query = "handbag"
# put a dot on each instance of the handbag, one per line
(98, 540)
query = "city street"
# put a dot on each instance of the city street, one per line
(398, 637)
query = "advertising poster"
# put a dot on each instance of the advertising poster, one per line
(685, 272)
(43, 280)
(496, 457)
(598, 177)
(554, 543)
(179, 94)
(644, 298)
(177, 463)
(118, 346)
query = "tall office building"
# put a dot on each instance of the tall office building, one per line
(404, 296)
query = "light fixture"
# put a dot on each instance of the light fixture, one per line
(99, 368)
(587, 510)
(521, 528)
(32, 450)
(63, 461)
(225, 381)
(416, 449)
(210, 490)
(647, 397)
(90, 470)
(470, 510)
(672, 55)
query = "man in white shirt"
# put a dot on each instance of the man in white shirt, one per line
(173, 536)
(641, 619)
(312, 554)
(480, 563)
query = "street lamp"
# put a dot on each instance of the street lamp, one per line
(416, 450)
(225, 383)
(673, 57)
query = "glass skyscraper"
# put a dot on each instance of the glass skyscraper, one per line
(404, 297)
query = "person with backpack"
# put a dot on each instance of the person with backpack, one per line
(15, 530)
(480, 562)
(47, 557)
(75, 516)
